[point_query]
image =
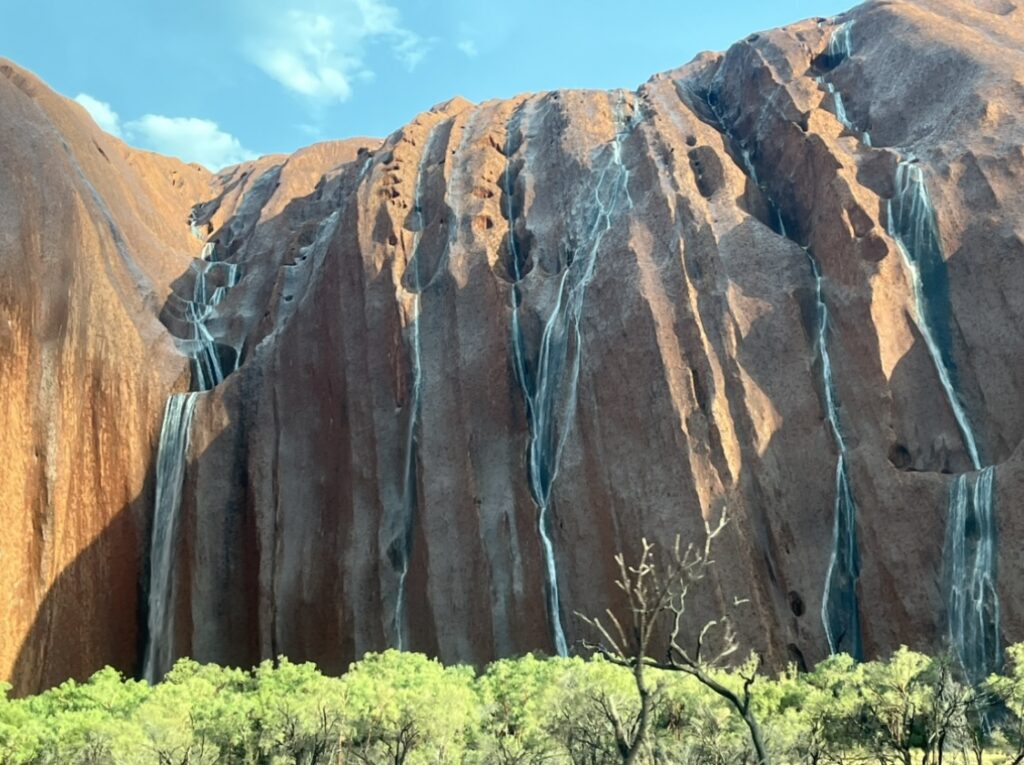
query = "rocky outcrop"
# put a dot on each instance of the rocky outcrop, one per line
(93, 236)
(92, 233)
(477, 360)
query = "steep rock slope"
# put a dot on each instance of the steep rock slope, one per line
(92, 234)
(524, 334)
(94, 239)
(476, 361)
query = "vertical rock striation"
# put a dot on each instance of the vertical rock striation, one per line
(458, 370)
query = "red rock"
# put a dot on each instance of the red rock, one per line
(699, 383)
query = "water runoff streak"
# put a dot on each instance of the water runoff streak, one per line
(414, 284)
(172, 455)
(170, 475)
(207, 364)
(551, 394)
(840, 610)
(840, 43)
(970, 559)
(969, 551)
(840, 48)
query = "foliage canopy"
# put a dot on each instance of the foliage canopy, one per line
(407, 709)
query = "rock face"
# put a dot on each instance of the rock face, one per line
(473, 362)
(92, 236)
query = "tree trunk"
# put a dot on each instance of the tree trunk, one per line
(741, 706)
(645, 712)
(755, 737)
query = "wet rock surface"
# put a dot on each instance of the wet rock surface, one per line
(466, 366)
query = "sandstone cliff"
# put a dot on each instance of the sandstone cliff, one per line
(475, 361)
(93, 234)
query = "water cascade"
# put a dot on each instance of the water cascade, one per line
(840, 48)
(840, 43)
(213, 279)
(400, 552)
(912, 224)
(840, 611)
(969, 551)
(840, 608)
(208, 367)
(970, 556)
(170, 475)
(551, 394)
(194, 225)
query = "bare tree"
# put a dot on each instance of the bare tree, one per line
(656, 595)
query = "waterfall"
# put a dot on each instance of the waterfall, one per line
(413, 285)
(551, 395)
(970, 555)
(840, 612)
(840, 48)
(840, 109)
(840, 609)
(840, 44)
(208, 369)
(193, 224)
(170, 474)
(969, 552)
(913, 226)
(172, 454)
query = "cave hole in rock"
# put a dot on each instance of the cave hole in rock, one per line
(699, 390)
(707, 170)
(796, 603)
(825, 62)
(899, 457)
(796, 656)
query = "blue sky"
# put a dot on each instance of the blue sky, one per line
(223, 80)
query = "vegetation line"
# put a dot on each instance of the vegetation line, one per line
(406, 708)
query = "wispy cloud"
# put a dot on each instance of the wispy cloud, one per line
(101, 112)
(468, 47)
(189, 138)
(320, 51)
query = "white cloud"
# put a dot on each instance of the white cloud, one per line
(468, 47)
(101, 112)
(320, 53)
(188, 138)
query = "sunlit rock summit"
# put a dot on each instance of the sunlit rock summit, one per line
(417, 393)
